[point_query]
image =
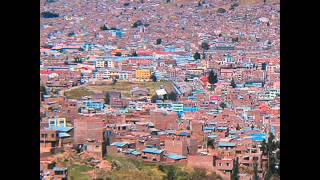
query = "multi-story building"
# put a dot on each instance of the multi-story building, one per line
(143, 74)
(100, 63)
(123, 76)
(110, 63)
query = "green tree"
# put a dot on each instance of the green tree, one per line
(223, 105)
(238, 127)
(214, 176)
(114, 81)
(153, 77)
(48, 14)
(154, 98)
(221, 11)
(118, 54)
(158, 41)
(199, 174)
(213, 78)
(137, 24)
(43, 90)
(233, 84)
(255, 171)
(171, 173)
(71, 34)
(205, 47)
(268, 148)
(104, 28)
(196, 56)
(134, 54)
(210, 143)
(51, 1)
(236, 39)
(172, 96)
(107, 98)
(77, 60)
(235, 170)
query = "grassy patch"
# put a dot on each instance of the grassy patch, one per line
(78, 172)
(134, 169)
(78, 93)
(125, 87)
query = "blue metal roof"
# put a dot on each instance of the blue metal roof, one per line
(258, 137)
(152, 151)
(136, 152)
(222, 128)
(232, 132)
(209, 128)
(59, 169)
(226, 144)
(212, 136)
(129, 151)
(119, 144)
(175, 156)
(62, 135)
(184, 134)
(61, 129)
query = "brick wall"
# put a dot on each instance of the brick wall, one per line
(176, 147)
(88, 128)
(200, 161)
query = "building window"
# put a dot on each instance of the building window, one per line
(220, 164)
(42, 135)
(52, 135)
(228, 164)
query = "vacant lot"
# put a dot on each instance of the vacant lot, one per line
(78, 93)
(79, 172)
(126, 87)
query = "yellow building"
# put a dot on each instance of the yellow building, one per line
(143, 74)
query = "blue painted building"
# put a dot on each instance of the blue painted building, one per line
(94, 105)
(190, 109)
(177, 107)
(192, 98)
(254, 84)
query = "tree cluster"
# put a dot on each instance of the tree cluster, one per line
(221, 11)
(172, 96)
(158, 41)
(235, 170)
(118, 54)
(154, 98)
(271, 149)
(233, 84)
(196, 56)
(213, 77)
(134, 54)
(137, 24)
(174, 173)
(210, 143)
(107, 98)
(153, 77)
(106, 28)
(48, 14)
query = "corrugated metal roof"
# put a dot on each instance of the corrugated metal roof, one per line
(152, 151)
(175, 156)
(226, 144)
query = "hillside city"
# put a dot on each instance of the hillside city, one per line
(160, 89)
